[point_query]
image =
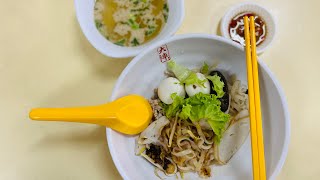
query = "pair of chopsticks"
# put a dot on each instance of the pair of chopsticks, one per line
(257, 147)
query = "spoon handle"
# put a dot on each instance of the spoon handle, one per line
(94, 114)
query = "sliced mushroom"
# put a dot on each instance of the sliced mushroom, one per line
(232, 140)
(155, 156)
(225, 100)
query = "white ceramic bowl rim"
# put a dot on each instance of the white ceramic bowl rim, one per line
(212, 37)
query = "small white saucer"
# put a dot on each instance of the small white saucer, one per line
(262, 12)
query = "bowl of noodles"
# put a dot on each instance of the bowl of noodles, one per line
(196, 85)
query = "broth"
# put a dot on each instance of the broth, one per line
(130, 22)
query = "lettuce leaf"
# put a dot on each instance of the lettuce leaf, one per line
(205, 68)
(185, 112)
(184, 74)
(205, 106)
(217, 85)
(176, 106)
(197, 107)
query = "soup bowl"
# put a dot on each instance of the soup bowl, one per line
(85, 16)
(143, 75)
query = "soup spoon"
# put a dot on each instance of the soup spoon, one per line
(129, 115)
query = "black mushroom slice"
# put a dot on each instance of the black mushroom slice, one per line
(156, 153)
(225, 99)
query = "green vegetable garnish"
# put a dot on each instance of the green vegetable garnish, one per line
(165, 7)
(184, 74)
(205, 69)
(165, 17)
(197, 107)
(217, 85)
(135, 2)
(185, 112)
(172, 109)
(98, 24)
(165, 14)
(151, 30)
(121, 42)
(135, 42)
(141, 9)
(132, 22)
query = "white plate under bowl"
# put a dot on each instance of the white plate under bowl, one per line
(85, 9)
(145, 72)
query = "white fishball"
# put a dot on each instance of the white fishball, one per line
(169, 86)
(193, 89)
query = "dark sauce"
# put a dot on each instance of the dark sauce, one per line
(236, 28)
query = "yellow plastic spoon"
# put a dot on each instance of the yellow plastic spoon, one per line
(129, 115)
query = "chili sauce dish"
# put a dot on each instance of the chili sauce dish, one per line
(232, 25)
(124, 28)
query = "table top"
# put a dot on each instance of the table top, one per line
(45, 60)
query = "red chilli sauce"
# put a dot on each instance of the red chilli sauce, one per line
(236, 28)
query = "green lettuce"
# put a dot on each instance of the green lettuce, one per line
(172, 109)
(185, 112)
(217, 85)
(205, 106)
(197, 107)
(205, 69)
(184, 74)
